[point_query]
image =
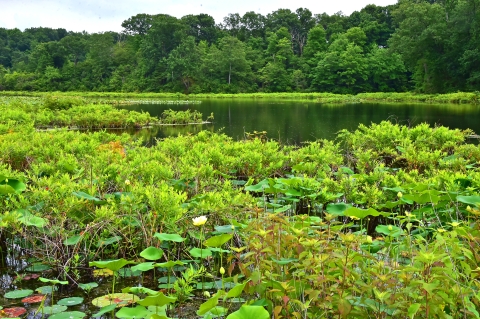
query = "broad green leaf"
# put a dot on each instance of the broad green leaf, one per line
(158, 300)
(469, 200)
(389, 230)
(249, 312)
(412, 310)
(284, 261)
(140, 290)
(72, 240)
(132, 313)
(217, 241)
(236, 291)
(88, 286)
(53, 281)
(143, 266)
(152, 253)
(337, 209)
(72, 301)
(18, 294)
(200, 253)
(207, 305)
(169, 237)
(105, 310)
(108, 241)
(89, 197)
(361, 213)
(68, 315)
(113, 265)
(169, 264)
(50, 310)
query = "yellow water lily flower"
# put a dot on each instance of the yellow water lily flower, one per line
(199, 221)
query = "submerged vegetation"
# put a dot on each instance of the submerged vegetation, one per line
(381, 222)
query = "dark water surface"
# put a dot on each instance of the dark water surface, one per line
(298, 121)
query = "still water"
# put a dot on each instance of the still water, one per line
(294, 122)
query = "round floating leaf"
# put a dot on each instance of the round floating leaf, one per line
(18, 294)
(72, 301)
(248, 312)
(132, 313)
(120, 299)
(33, 299)
(52, 310)
(143, 266)
(37, 268)
(152, 253)
(169, 237)
(200, 253)
(68, 315)
(113, 265)
(217, 241)
(13, 312)
(88, 286)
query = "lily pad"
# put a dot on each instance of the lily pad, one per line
(169, 237)
(120, 299)
(72, 301)
(104, 310)
(33, 299)
(88, 286)
(113, 265)
(247, 312)
(217, 241)
(68, 315)
(13, 312)
(132, 313)
(200, 253)
(52, 310)
(37, 268)
(157, 300)
(143, 266)
(18, 294)
(152, 253)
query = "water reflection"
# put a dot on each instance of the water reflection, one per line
(298, 121)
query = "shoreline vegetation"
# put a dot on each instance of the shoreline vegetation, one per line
(179, 98)
(383, 221)
(74, 113)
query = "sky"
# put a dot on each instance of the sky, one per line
(107, 15)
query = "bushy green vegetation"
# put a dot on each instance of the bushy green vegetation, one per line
(426, 46)
(382, 222)
(80, 113)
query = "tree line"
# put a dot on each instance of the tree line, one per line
(429, 46)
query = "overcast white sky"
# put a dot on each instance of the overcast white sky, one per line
(108, 15)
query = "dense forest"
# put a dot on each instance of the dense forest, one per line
(429, 46)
